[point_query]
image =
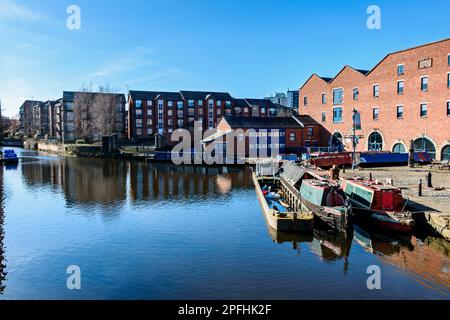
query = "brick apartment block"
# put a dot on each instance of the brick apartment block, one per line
(404, 97)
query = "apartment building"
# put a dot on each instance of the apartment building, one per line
(404, 98)
(26, 117)
(153, 112)
(89, 116)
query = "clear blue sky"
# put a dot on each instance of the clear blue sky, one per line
(250, 48)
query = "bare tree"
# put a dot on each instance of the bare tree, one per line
(96, 113)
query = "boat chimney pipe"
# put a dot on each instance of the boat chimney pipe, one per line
(420, 187)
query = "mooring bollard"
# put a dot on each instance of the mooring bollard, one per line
(370, 176)
(420, 187)
(429, 180)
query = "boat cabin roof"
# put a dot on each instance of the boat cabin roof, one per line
(373, 185)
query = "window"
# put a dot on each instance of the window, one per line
(272, 112)
(448, 80)
(424, 83)
(180, 114)
(149, 122)
(401, 69)
(169, 122)
(180, 105)
(139, 132)
(149, 131)
(170, 103)
(376, 113)
(338, 96)
(305, 101)
(292, 136)
(219, 112)
(376, 91)
(191, 103)
(138, 103)
(200, 111)
(355, 94)
(228, 104)
(324, 98)
(138, 112)
(237, 111)
(138, 123)
(169, 113)
(149, 103)
(446, 153)
(263, 110)
(375, 142)
(448, 108)
(246, 110)
(69, 106)
(200, 102)
(337, 115)
(425, 145)
(400, 87)
(307, 144)
(324, 117)
(310, 131)
(160, 105)
(149, 112)
(399, 148)
(211, 103)
(423, 110)
(219, 103)
(399, 112)
(448, 60)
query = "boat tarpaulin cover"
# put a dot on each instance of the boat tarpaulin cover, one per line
(292, 173)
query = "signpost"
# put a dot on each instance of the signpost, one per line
(355, 139)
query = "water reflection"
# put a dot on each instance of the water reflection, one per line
(219, 236)
(2, 235)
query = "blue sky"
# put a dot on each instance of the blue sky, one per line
(250, 48)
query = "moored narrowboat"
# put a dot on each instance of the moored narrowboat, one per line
(278, 215)
(382, 204)
(9, 157)
(328, 203)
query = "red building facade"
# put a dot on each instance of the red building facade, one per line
(404, 98)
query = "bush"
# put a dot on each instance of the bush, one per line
(80, 142)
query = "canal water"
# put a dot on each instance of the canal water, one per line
(160, 231)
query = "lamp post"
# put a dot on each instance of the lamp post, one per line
(356, 125)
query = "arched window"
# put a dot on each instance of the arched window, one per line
(337, 141)
(399, 148)
(375, 142)
(446, 153)
(425, 145)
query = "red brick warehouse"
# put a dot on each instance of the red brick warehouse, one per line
(404, 97)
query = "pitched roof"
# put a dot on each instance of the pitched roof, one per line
(261, 122)
(367, 72)
(202, 95)
(262, 103)
(241, 103)
(169, 96)
(143, 95)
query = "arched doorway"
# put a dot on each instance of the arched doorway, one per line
(399, 148)
(445, 153)
(375, 142)
(337, 141)
(425, 145)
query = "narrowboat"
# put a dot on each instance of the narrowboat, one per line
(278, 215)
(328, 203)
(328, 160)
(378, 159)
(9, 157)
(382, 204)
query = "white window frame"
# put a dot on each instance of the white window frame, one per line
(378, 117)
(401, 80)
(343, 96)
(373, 90)
(401, 64)
(420, 110)
(396, 111)
(428, 83)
